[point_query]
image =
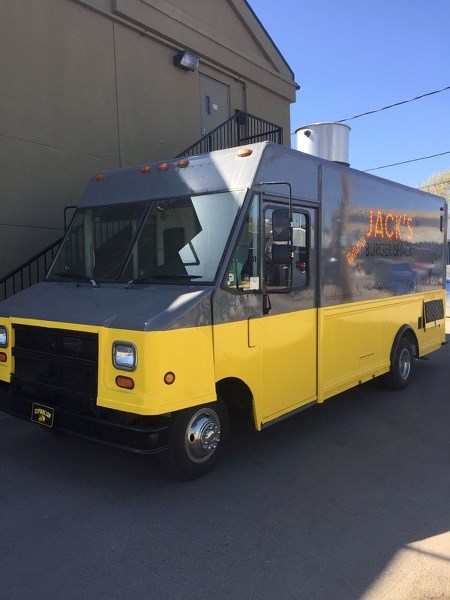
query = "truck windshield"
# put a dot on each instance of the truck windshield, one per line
(172, 240)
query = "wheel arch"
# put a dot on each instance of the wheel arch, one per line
(237, 396)
(408, 332)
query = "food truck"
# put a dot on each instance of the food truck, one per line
(257, 277)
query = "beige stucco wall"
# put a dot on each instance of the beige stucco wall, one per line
(87, 86)
(58, 120)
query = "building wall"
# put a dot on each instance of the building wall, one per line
(88, 85)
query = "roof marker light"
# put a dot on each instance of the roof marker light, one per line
(244, 152)
(100, 177)
(163, 166)
(182, 164)
(145, 169)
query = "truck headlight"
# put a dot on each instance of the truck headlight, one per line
(3, 336)
(124, 356)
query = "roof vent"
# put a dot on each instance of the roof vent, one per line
(325, 140)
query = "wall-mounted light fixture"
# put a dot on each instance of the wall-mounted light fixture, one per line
(186, 60)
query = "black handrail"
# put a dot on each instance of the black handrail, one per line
(30, 272)
(242, 128)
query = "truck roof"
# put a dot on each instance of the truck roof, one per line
(229, 169)
(213, 172)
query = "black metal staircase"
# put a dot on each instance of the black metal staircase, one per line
(240, 129)
(29, 272)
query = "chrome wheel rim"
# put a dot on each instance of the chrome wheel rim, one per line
(202, 435)
(405, 364)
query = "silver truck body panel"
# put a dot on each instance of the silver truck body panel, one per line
(371, 238)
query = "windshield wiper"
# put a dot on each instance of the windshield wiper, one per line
(67, 275)
(162, 276)
(75, 276)
(170, 275)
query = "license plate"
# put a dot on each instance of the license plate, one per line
(42, 414)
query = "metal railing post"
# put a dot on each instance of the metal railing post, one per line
(16, 280)
(242, 128)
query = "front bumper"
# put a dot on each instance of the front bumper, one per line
(146, 436)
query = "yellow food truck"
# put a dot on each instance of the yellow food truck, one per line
(259, 277)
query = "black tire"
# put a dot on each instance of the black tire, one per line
(401, 369)
(196, 439)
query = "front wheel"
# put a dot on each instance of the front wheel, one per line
(196, 440)
(401, 369)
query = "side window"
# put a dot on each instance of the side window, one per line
(243, 270)
(278, 276)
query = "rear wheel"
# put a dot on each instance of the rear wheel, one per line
(401, 369)
(196, 440)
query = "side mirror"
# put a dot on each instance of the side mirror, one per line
(281, 254)
(281, 226)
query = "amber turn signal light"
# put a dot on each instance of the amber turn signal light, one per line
(124, 382)
(169, 378)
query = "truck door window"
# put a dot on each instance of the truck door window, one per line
(276, 276)
(243, 270)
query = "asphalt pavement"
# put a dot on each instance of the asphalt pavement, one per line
(345, 501)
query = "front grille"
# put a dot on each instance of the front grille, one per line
(57, 367)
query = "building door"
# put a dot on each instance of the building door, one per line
(215, 103)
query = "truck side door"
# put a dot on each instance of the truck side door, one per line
(237, 310)
(289, 325)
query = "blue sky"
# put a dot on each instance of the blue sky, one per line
(352, 56)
